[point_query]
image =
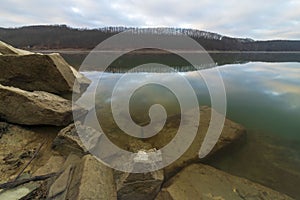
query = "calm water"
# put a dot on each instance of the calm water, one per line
(262, 96)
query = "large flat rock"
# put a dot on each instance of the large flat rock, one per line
(31, 71)
(200, 181)
(35, 108)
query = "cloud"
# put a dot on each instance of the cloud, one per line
(269, 19)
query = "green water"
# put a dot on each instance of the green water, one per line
(262, 96)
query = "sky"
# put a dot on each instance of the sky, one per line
(257, 19)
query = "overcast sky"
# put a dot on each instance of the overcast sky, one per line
(258, 19)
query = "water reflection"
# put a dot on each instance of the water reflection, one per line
(126, 62)
(264, 97)
(261, 96)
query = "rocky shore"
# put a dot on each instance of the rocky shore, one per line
(42, 156)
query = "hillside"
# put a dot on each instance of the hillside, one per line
(62, 36)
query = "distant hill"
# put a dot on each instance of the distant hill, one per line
(62, 37)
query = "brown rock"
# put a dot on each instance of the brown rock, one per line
(35, 108)
(144, 186)
(53, 165)
(68, 140)
(6, 49)
(59, 187)
(96, 180)
(199, 181)
(50, 73)
(139, 186)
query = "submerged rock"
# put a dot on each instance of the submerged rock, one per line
(232, 133)
(50, 73)
(36, 108)
(200, 181)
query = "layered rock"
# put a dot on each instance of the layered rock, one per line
(36, 108)
(205, 182)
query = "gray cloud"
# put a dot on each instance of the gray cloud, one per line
(268, 19)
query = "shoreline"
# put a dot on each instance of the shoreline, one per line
(76, 51)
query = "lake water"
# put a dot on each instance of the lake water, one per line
(263, 94)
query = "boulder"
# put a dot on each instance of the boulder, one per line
(6, 49)
(60, 186)
(36, 108)
(68, 140)
(52, 165)
(200, 181)
(50, 73)
(129, 185)
(139, 186)
(233, 133)
(95, 181)
(86, 179)
(143, 186)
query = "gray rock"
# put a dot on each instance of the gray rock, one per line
(50, 73)
(35, 108)
(199, 181)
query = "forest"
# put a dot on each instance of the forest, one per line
(65, 37)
